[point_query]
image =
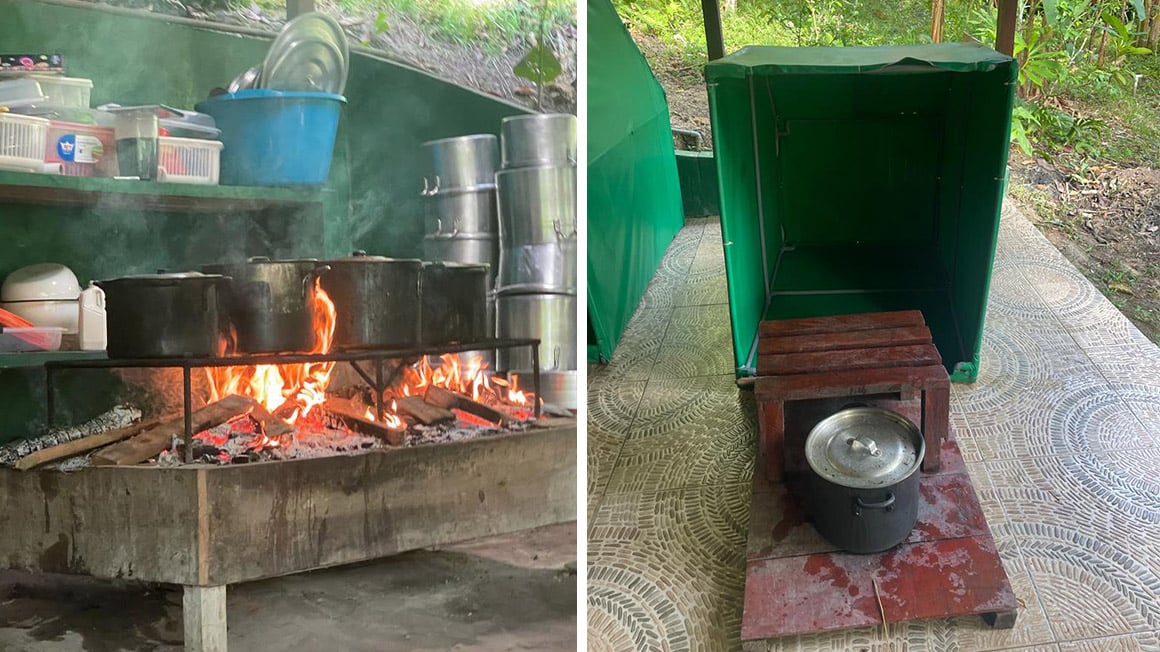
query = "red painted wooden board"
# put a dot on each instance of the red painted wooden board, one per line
(830, 591)
(846, 340)
(781, 364)
(796, 583)
(841, 323)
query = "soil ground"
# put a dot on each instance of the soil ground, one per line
(1105, 219)
(470, 65)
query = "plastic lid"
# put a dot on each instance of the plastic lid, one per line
(42, 282)
(864, 448)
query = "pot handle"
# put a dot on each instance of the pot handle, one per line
(860, 504)
(429, 191)
(308, 282)
(560, 235)
(440, 235)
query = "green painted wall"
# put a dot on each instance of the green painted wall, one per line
(371, 202)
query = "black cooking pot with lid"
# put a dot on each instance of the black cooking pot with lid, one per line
(166, 315)
(864, 465)
(455, 303)
(271, 303)
(377, 301)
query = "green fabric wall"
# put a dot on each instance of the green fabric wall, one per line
(634, 196)
(371, 201)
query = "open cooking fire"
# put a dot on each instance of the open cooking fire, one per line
(298, 417)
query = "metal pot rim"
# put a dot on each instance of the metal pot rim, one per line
(464, 139)
(898, 446)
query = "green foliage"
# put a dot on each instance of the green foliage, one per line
(492, 25)
(539, 65)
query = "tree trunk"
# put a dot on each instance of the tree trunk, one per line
(1154, 26)
(938, 10)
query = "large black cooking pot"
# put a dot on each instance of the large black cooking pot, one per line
(377, 301)
(454, 303)
(270, 303)
(864, 476)
(166, 315)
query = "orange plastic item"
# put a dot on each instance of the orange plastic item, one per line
(10, 320)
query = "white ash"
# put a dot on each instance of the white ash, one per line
(118, 417)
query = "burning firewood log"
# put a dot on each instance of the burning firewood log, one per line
(155, 440)
(424, 412)
(354, 416)
(450, 400)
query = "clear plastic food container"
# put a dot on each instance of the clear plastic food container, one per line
(36, 338)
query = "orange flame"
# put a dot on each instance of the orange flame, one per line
(470, 379)
(304, 384)
(391, 419)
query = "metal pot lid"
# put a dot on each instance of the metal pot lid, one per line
(466, 267)
(360, 256)
(166, 276)
(865, 448)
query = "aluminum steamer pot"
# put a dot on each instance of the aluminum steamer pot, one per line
(461, 163)
(538, 139)
(537, 208)
(166, 315)
(377, 301)
(270, 303)
(864, 464)
(454, 303)
(550, 318)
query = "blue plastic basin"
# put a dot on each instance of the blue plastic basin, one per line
(275, 138)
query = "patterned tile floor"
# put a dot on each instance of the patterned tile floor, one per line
(1061, 435)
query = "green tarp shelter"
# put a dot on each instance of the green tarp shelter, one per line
(860, 180)
(634, 196)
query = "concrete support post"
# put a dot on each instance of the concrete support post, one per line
(204, 611)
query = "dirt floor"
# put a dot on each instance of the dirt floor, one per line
(1105, 219)
(516, 592)
(407, 42)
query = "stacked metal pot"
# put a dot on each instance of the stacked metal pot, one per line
(461, 222)
(536, 277)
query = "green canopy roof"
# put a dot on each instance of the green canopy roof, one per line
(765, 60)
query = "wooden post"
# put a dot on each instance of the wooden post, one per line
(204, 612)
(1005, 29)
(295, 8)
(937, 10)
(714, 39)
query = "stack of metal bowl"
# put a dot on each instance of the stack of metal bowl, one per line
(461, 222)
(536, 277)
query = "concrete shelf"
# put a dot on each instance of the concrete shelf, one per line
(57, 190)
(39, 358)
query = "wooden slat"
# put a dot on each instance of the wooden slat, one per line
(781, 364)
(860, 382)
(840, 323)
(85, 444)
(152, 442)
(865, 339)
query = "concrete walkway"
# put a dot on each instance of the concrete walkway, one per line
(1061, 435)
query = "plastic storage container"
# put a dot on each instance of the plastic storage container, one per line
(862, 179)
(35, 338)
(72, 92)
(275, 138)
(189, 160)
(81, 150)
(22, 142)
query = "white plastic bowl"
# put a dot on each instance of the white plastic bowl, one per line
(41, 282)
(61, 314)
